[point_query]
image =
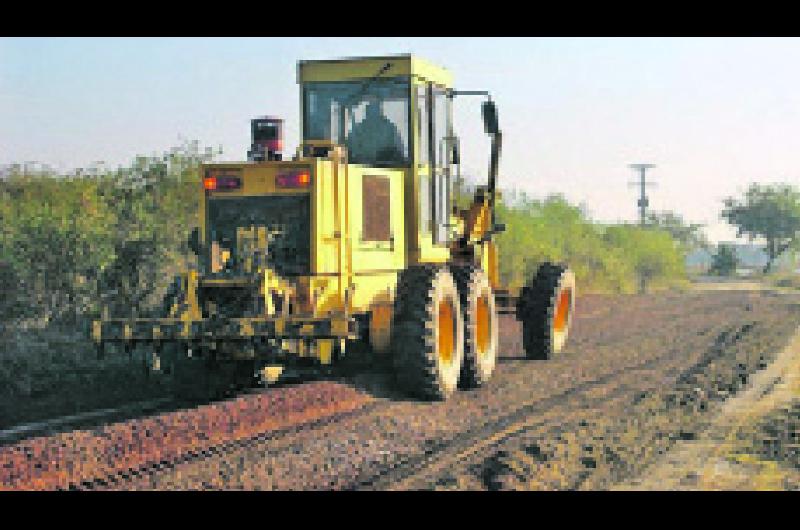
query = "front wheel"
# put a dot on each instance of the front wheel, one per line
(545, 308)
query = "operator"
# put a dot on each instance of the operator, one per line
(375, 138)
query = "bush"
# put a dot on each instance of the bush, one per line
(67, 240)
(604, 259)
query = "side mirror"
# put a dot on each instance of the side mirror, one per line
(489, 111)
(194, 241)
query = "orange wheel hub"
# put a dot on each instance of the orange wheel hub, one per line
(446, 341)
(562, 310)
(483, 323)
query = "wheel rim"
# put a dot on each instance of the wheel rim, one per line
(562, 311)
(446, 332)
(483, 324)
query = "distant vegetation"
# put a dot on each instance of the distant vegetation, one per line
(771, 212)
(71, 244)
(604, 258)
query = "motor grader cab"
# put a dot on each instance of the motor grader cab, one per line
(354, 238)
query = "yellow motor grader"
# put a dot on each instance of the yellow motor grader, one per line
(354, 238)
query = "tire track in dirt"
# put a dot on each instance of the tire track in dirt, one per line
(413, 472)
(410, 465)
(219, 450)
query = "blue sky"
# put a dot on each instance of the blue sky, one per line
(714, 114)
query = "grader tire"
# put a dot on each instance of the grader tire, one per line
(427, 333)
(545, 308)
(481, 325)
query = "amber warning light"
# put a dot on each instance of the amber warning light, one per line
(222, 183)
(294, 180)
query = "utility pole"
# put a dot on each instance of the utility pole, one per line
(642, 203)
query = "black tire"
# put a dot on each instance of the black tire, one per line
(427, 333)
(481, 325)
(545, 308)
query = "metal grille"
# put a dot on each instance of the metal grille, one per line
(287, 217)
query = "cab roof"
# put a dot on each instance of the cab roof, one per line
(350, 68)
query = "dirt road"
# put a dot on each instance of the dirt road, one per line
(639, 374)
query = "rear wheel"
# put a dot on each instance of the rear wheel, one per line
(480, 325)
(427, 332)
(545, 308)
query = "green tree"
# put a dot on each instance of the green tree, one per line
(724, 262)
(771, 212)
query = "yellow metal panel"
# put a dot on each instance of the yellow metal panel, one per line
(372, 287)
(431, 72)
(376, 255)
(325, 350)
(489, 263)
(367, 67)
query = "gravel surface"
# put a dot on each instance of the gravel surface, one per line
(88, 458)
(639, 373)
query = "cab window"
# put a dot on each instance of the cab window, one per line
(369, 118)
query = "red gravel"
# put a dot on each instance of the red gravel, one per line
(68, 459)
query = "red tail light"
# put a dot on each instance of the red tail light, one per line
(222, 183)
(293, 180)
